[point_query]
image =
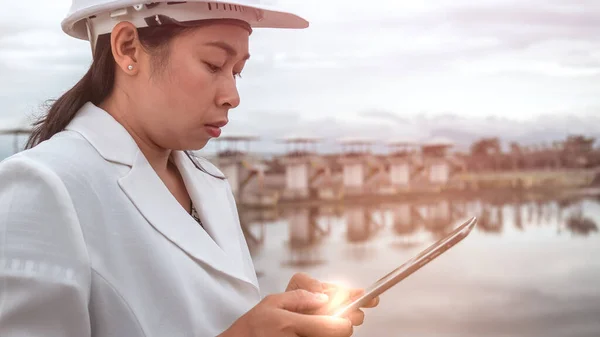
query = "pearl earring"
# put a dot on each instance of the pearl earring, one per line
(130, 67)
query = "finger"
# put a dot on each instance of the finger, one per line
(353, 293)
(321, 326)
(304, 281)
(372, 304)
(327, 285)
(356, 293)
(298, 300)
(357, 317)
(338, 299)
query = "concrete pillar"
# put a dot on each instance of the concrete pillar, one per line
(297, 172)
(439, 172)
(296, 177)
(400, 173)
(353, 174)
(239, 173)
(231, 170)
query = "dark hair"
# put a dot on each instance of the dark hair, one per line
(98, 82)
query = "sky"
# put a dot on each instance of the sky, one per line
(386, 69)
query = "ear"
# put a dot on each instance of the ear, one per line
(126, 47)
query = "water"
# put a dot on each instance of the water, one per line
(530, 268)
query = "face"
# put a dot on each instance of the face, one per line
(186, 103)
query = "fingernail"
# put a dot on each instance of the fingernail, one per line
(322, 297)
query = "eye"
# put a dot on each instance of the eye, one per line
(213, 68)
(237, 75)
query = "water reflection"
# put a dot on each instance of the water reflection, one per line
(361, 223)
(491, 219)
(581, 225)
(406, 228)
(305, 234)
(407, 224)
(254, 227)
(528, 269)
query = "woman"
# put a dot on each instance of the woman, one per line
(109, 226)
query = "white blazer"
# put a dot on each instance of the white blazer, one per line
(92, 243)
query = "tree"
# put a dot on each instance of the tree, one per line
(486, 153)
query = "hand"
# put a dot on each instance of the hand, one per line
(338, 295)
(280, 316)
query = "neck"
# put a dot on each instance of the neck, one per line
(120, 109)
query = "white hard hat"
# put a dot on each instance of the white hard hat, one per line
(87, 19)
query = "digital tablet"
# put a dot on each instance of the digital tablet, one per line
(408, 268)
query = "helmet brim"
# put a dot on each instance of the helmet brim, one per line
(257, 16)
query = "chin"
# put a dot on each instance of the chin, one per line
(188, 146)
(197, 145)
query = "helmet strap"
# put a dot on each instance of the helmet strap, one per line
(92, 38)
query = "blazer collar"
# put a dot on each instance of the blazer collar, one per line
(105, 134)
(114, 143)
(218, 245)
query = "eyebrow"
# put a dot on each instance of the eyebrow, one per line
(227, 48)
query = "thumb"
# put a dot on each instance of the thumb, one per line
(301, 301)
(304, 281)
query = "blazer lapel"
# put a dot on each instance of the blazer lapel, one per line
(211, 197)
(160, 208)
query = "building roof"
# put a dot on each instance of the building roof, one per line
(300, 139)
(439, 142)
(355, 140)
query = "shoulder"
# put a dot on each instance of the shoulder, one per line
(44, 171)
(35, 199)
(63, 145)
(67, 155)
(27, 173)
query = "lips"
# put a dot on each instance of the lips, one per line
(214, 129)
(218, 124)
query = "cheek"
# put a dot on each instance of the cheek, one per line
(182, 95)
(190, 82)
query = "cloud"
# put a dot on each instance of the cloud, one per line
(582, 58)
(559, 18)
(388, 61)
(396, 39)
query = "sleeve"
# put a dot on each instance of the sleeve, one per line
(45, 273)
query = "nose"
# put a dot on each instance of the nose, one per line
(228, 95)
